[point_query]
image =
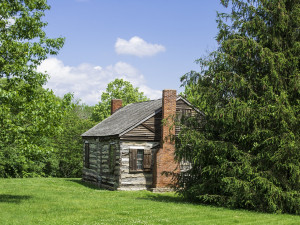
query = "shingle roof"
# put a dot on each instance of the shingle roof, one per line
(125, 118)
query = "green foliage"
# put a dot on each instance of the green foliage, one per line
(28, 113)
(29, 117)
(23, 42)
(39, 132)
(117, 89)
(68, 144)
(247, 152)
(51, 153)
(27, 161)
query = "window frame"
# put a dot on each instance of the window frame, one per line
(112, 157)
(133, 159)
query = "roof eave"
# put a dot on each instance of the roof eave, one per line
(95, 136)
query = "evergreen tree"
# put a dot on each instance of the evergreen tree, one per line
(246, 153)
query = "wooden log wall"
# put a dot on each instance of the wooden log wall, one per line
(99, 171)
(183, 109)
(147, 131)
(135, 180)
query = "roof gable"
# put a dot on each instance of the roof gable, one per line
(125, 119)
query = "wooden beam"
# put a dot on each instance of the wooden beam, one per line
(148, 127)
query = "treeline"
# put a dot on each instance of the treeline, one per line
(40, 133)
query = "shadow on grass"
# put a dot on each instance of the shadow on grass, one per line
(166, 198)
(85, 184)
(13, 198)
(180, 200)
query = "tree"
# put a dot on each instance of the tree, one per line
(68, 144)
(26, 129)
(117, 89)
(246, 153)
(23, 43)
(28, 113)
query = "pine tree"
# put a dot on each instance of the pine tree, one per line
(246, 153)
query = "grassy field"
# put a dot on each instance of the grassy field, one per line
(68, 201)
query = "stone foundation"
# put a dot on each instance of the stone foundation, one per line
(162, 190)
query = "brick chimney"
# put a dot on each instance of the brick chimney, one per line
(164, 161)
(115, 105)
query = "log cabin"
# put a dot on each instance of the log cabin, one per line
(131, 149)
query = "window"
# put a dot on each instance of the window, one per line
(139, 160)
(187, 112)
(112, 158)
(87, 155)
(183, 114)
(185, 164)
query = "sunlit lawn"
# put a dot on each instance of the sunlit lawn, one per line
(68, 201)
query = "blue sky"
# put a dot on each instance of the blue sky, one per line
(149, 43)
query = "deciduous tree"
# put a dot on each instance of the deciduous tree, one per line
(28, 113)
(68, 145)
(117, 89)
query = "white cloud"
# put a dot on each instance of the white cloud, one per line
(87, 81)
(10, 21)
(138, 47)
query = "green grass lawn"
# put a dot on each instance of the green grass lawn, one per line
(68, 201)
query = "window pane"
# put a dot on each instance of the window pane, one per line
(139, 165)
(140, 154)
(140, 158)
